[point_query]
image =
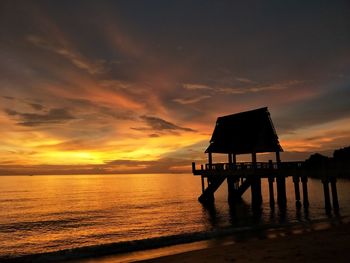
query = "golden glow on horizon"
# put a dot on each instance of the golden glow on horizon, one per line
(44, 149)
(70, 157)
(26, 146)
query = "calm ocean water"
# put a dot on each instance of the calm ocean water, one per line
(50, 213)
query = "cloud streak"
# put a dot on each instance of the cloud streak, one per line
(75, 58)
(246, 89)
(160, 125)
(191, 100)
(53, 116)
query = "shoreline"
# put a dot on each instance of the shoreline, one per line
(202, 251)
(139, 250)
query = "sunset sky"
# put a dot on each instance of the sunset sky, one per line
(136, 86)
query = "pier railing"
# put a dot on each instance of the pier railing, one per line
(241, 166)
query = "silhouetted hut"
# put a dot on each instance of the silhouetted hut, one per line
(249, 132)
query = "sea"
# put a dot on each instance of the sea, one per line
(92, 214)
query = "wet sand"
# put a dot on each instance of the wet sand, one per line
(330, 245)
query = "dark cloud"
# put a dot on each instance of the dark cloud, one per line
(53, 116)
(158, 124)
(30, 102)
(8, 97)
(117, 114)
(75, 58)
(11, 112)
(36, 106)
(330, 106)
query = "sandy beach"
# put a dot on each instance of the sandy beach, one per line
(328, 245)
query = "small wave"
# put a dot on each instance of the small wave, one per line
(44, 224)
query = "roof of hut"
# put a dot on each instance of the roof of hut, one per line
(245, 132)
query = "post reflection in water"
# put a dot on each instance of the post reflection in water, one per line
(212, 214)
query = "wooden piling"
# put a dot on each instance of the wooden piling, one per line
(278, 159)
(206, 199)
(256, 185)
(281, 184)
(231, 189)
(234, 158)
(297, 191)
(258, 191)
(230, 183)
(202, 180)
(256, 195)
(327, 199)
(281, 190)
(271, 193)
(230, 160)
(333, 181)
(210, 160)
(305, 191)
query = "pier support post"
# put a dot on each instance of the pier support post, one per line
(305, 191)
(202, 180)
(231, 183)
(258, 186)
(230, 160)
(257, 182)
(278, 159)
(281, 190)
(255, 185)
(233, 195)
(231, 187)
(256, 195)
(333, 181)
(206, 199)
(297, 191)
(271, 193)
(281, 183)
(327, 200)
(210, 160)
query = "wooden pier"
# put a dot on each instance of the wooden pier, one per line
(252, 132)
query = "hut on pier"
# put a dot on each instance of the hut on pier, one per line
(249, 132)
